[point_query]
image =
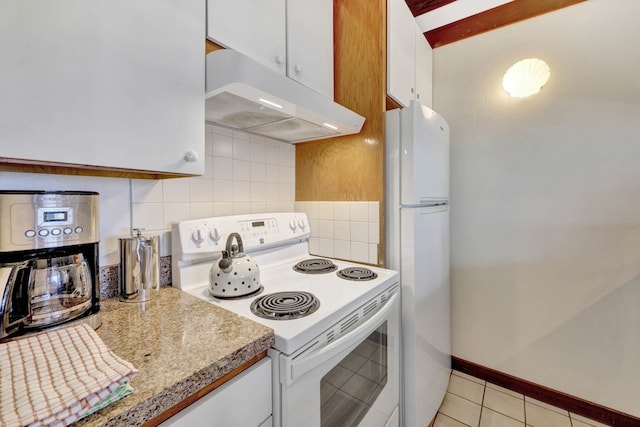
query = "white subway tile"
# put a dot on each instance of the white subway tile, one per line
(241, 208)
(222, 208)
(258, 172)
(258, 192)
(219, 129)
(325, 229)
(359, 251)
(241, 191)
(287, 193)
(148, 216)
(175, 190)
(286, 206)
(374, 232)
(222, 145)
(208, 143)
(241, 148)
(300, 207)
(313, 225)
(287, 175)
(258, 207)
(146, 191)
(222, 190)
(342, 211)
(359, 211)
(222, 168)
(272, 192)
(258, 152)
(175, 212)
(342, 249)
(360, 232)
(374, 212)
(208, 168)
(312, 210)
(272, 206)
(272, 173)
(313, 246)
(272, 155)
(241, 170)
(201, 210)
(325, 247)
(287, 155)
(342, 230)
(200, 190)
(373, 254)
(325, 210)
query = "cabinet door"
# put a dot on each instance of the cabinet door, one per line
(424, 69)
(243, 401)
(254, 28)
(401, 39)
(116, 84)
(310, 44)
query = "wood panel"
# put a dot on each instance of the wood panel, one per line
(509, 13)
(418, 7)
(210, 46)
(544, 394)
(351, 168)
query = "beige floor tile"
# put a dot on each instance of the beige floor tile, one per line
(576, 419)
(537, 416)
(546, 405)
(469, 377)
(461, 409)
(489, 418)
(468, 389)
(505, 390)
(443, 421)
(504, 403)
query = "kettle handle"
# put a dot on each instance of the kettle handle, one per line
(238, 239)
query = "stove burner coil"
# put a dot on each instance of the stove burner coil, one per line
(285, 305)
(315, 266)
(359, 274)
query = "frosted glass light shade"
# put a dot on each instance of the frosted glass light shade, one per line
(526, 77)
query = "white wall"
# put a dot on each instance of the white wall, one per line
(546, 202)
(243, 174)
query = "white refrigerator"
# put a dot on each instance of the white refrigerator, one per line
(417, 235)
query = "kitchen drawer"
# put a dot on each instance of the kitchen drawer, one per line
(244, 401)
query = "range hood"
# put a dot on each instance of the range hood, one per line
(245, 95)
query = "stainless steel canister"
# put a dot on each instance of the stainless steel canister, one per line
(139, 267)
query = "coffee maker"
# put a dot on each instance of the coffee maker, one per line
(48, 260)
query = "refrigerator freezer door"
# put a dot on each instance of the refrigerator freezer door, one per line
(426, 310)
(424, 156)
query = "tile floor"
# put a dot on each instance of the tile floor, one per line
(472, 402)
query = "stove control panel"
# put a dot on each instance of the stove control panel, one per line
(200, 238)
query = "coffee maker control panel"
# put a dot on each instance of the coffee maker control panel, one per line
(47, 219)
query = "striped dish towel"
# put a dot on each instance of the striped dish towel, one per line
(56, 378)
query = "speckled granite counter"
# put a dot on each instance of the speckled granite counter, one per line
(180, 344)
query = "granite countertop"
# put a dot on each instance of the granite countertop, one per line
(180, 344)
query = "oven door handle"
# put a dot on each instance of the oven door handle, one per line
(311, 359)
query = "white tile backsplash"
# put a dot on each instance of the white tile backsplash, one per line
(345, 230)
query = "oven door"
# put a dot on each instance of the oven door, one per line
(345, 379)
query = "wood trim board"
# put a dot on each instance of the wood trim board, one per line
(556, 398)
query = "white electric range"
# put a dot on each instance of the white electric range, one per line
(340, 358)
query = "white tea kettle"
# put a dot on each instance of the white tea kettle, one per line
(235, 274)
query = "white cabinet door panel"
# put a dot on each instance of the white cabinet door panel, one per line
(401, 39)
(310, 44)
(116, 84)
(424, 69)
(254, 28)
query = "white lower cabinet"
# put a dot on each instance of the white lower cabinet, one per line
(244, 401)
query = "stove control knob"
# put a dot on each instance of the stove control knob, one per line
(215, 234)
(292, 225)
(301, 224)
(197, 236)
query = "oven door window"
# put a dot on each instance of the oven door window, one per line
(349, 390)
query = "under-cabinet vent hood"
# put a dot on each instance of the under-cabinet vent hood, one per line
(245, 95)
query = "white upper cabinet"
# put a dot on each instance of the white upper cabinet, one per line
(114, 84)
(294, 37)
(409, 57)
(424, 69)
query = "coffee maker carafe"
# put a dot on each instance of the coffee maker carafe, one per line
(48, 260)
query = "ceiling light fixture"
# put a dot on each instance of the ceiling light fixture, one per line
(526, 77)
